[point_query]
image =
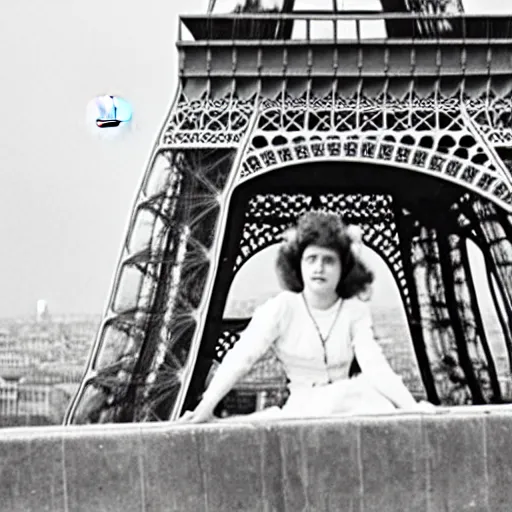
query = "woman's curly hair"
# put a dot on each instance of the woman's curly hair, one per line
(325, 230)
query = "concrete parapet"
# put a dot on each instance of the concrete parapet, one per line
(455, 460)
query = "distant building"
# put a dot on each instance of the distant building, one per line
(42, 311)
(13, 364)
(6, 340)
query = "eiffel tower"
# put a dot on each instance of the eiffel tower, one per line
(400, 120)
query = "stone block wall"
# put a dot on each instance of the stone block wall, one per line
(449, 461)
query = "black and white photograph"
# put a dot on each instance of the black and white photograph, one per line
(257, 256)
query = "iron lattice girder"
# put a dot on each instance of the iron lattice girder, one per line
(459, 58)
(489, 183)
(434, 134)
(395, 72)
(218, 122)
(453, 328)
(426, 24)
(435, 317)
(433, 6)
(423, 6)
(468, 332)
(339, 105)
(142, 342)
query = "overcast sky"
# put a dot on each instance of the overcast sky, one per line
(65, 192)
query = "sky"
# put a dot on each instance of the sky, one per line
(65, 191)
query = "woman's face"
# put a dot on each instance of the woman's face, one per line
(321, 269)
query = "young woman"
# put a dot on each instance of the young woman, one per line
(317, 327)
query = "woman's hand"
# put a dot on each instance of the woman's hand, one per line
(198, 415)
(424, 406)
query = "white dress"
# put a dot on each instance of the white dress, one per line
(316, 388)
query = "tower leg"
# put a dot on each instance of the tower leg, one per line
(468, 328)
(436, 322)
(494, 237)
(472, 307)
(414, 314)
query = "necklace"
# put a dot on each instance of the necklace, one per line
(319, 332)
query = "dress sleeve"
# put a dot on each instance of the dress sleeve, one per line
(372, 362)
(262, 331)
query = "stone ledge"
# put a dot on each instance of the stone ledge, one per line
(451, 461)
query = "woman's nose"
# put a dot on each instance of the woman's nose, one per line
(319, 265)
